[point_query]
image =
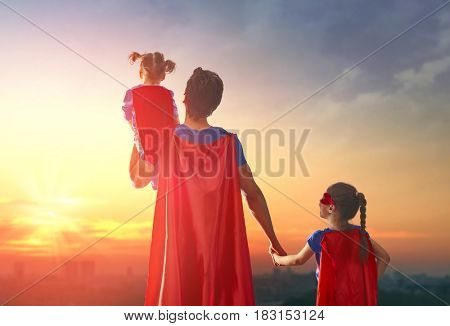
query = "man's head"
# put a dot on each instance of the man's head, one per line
(203, 93)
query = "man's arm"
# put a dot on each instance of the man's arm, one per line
(258, 206)
(141, 172)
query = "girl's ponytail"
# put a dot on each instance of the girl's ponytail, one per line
(347, 202)
(134, 56)
(170, 66)
(362, 210)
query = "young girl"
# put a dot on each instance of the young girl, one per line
(348, 261)
(150, 107)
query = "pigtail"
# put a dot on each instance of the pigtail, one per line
(362, 210)
(170, 66)
(134, 56)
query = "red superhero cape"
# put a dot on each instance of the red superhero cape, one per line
(343, 279)
(153, 106)
(199, 252)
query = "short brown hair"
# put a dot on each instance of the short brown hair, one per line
(203, 93)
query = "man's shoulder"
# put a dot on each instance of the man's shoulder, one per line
(221, 130)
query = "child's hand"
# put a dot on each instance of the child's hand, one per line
(274, 256)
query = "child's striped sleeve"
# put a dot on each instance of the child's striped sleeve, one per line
(174, 107)
(127, 105)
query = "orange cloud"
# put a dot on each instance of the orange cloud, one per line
(398, 234)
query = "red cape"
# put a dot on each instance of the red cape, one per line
(343, 279)
(199, 252)
(153, 106)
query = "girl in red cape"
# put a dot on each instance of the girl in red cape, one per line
(199, 251)
(149, 107)
(349, 262)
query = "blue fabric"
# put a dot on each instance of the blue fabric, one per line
(209, 135)
(314, 242)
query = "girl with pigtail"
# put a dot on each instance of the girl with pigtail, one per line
(349, 262)
(149, 108)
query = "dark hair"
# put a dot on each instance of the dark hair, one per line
(203, 93)
(347, 201)
(153, 63)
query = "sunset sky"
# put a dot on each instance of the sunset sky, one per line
(384, 127)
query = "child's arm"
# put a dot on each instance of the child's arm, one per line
(127, 106)
(175, 109)
(298, 259)
(382, 257)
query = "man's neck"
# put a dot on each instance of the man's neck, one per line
(196, 124)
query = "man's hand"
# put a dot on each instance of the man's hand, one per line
(274, 255)
(277, 249)
(141, 172)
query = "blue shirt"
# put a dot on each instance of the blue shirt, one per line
(209, 135)
(314, 242)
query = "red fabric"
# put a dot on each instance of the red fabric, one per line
(153, 106)
(199, 252)
(343, 279)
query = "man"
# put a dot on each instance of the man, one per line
(199, 252)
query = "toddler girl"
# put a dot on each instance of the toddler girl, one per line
(150, 107)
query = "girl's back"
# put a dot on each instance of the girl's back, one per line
(150, 107)
(154, 111)
(346, 277)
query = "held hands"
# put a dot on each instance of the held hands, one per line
(275, 252)
(140, 171)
